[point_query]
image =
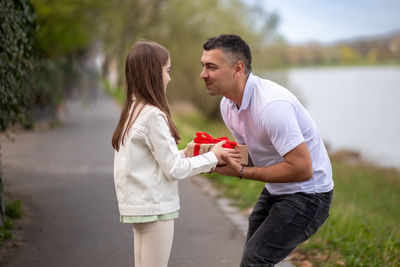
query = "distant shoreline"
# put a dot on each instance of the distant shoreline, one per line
(353, 157)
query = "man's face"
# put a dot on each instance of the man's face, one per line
(217, 72)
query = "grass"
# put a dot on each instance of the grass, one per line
(364, 224)
(13, 211)
(363, 228)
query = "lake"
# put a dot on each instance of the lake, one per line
(355, 108)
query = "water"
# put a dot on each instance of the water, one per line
(355, 108)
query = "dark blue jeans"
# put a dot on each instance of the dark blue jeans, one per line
(279, 223)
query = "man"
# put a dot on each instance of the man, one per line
(285, 147)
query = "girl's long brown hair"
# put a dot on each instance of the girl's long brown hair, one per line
(143, 85)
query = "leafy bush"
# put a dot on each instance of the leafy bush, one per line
(16, 28)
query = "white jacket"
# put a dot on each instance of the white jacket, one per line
(148, 165)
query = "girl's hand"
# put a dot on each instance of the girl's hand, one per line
(218, 150)
(221, 153)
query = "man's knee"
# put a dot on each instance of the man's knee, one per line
(252, 258)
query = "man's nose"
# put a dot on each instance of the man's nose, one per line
(203, 74)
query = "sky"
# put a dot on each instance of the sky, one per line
(328, 21)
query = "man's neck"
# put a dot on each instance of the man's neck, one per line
(238, 92)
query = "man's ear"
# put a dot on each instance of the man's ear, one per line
(239, 67)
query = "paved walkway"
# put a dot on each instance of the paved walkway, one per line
(64, 178)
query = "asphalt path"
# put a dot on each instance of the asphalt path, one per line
(63, 176)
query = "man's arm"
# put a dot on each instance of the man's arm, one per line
(296, 167)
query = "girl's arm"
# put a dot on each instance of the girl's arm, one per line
(167, 155)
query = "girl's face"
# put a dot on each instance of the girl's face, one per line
(166, 77)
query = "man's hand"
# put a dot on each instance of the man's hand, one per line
(232, 166)
(296, 167)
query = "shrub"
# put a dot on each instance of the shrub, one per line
(16, 39)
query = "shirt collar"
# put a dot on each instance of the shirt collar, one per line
(248, 92)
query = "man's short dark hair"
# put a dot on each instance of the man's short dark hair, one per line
(232, 45)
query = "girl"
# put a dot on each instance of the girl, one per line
(147, 162)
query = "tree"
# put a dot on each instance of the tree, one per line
(16, 27)
(65, 34)
(65, 28)
(348, 55)
(182, 27)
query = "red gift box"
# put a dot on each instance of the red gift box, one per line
(203, 143)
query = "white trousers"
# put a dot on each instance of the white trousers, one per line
(153, 243)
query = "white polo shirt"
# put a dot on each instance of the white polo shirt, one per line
(271, 122)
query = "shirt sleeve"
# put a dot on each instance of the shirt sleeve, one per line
(167, 155)
(279, 121)
(182, 153)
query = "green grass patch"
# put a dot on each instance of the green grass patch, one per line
(5, 230)
(13, 211)
(244, 193)
(364, 222)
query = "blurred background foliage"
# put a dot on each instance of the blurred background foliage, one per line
(48, 47)
(56, 39)
(16, 39)
(181, 27)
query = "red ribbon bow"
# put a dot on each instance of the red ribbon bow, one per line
(205, 138)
